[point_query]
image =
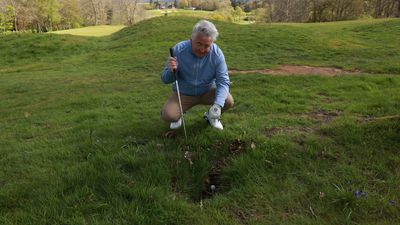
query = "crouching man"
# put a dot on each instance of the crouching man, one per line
(202, 74)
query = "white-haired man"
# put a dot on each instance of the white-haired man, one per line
(202, 75)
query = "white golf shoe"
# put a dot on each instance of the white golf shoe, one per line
(216, 123)
(176, 124)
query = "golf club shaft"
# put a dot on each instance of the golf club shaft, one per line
(179, 96)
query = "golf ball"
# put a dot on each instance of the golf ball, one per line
(212, 187)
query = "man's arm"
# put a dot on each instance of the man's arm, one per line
(222, 81)
(168, 76)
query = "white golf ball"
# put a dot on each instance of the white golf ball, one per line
(212, 187)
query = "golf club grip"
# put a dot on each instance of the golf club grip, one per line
(171, 53)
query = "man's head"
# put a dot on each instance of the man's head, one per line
(203, 35)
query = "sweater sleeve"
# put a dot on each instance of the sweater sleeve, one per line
(167, 76)
(222, 80)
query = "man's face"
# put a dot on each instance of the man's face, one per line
(201, 45)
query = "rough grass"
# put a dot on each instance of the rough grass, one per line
(81, 139)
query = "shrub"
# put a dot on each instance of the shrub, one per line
(222, 16)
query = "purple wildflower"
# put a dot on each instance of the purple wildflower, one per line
(364, 194)
(356, 194)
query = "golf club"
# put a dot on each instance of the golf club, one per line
(171, 52)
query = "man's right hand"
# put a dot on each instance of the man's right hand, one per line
(172, 64)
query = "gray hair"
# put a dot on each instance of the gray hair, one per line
(206, 28)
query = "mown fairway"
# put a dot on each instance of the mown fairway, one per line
(93, 31)
(81, 139)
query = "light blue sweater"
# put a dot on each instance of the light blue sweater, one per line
(196, 76)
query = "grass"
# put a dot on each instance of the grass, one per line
(81, 139)
(180, 12)
(93, 31)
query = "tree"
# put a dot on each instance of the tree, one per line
(95, 7)
(223, 15)
(224, 5)
(238, 13)
(110, 14)
(261, 15)
(398, 8)
(236, 3)
(195, 3)
(345, 9)
(183, 4)
(70, 17)
(15, 6)
(94, 12)
(318, 8)
(131, 7)
(129, 11)
(46, 14)
(384, 8)
(7, 18)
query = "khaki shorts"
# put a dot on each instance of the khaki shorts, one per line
(171, 111)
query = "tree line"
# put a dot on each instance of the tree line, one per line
(319, 10)
(47, 15)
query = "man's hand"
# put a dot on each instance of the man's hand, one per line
(214, 112)
(172, 64)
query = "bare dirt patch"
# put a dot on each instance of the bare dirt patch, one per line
(286, 70)
(320, 116)
(269, 132)
(324, 116)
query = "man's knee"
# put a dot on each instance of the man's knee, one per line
(228, 102)
(169, 115)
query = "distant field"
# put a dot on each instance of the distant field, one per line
(93, 31)
(179, 12)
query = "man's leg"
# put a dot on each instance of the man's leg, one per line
(171, 111)
(208, 99)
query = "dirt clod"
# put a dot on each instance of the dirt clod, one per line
(169, 134)
(237, 146)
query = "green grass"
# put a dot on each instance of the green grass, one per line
(180, 12)
(93, 31)
(81, 139)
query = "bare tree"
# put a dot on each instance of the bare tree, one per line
(318, 9)
(94, 12)
(95, 7)
(398, 8)
(128, 12)
(386, 8)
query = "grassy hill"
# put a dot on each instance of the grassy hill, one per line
(81, 140)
